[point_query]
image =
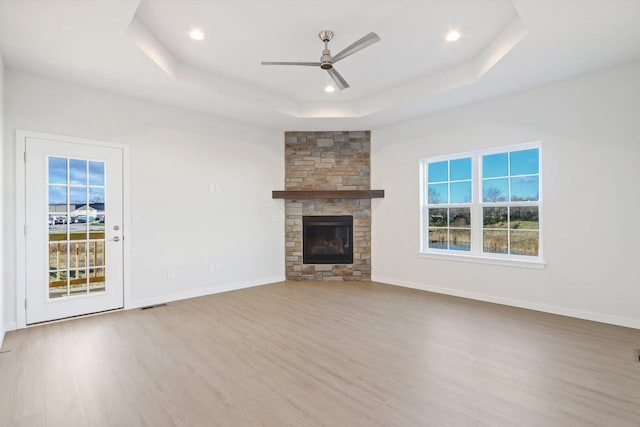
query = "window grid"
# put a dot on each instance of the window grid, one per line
(449, 224)
(84, 271)
(523, 218)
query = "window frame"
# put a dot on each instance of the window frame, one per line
(477, 254)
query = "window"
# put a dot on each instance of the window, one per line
(449, 204)
(483, 204)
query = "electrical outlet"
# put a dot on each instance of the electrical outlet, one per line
(215, 188)
(171, 274)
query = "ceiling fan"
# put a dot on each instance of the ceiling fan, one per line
(327, 61)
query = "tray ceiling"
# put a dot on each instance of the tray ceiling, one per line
(143, 49)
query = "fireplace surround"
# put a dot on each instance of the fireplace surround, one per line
(328, 174)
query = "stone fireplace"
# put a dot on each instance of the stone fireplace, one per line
(337, 165)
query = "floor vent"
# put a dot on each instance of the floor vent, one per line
(5, 351)
(152, 306)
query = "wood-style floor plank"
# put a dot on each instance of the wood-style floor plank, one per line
(322, 354)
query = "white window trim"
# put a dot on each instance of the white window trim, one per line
(476, 255)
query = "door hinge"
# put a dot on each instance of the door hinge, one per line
(25, 303)
(25, 229)
(25, 157)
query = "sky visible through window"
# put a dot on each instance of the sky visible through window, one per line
(450, 181)
(510, 176)
(81, 174)
(518, 168)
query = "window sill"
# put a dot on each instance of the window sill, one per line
(520, 263)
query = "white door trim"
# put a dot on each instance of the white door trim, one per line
(21, 260)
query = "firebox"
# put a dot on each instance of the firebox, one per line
(327, 239)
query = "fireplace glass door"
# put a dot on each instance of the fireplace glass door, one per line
(327, 239)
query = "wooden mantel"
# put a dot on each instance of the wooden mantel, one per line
(327, 194)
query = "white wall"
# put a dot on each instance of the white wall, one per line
(2, 207)
(175, 156)
(590, 131)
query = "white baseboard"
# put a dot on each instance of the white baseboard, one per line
(10, 326)
(563, 311)
(201, 292)
(7, 327)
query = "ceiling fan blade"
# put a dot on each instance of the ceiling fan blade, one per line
(338, 79)
(310, 64)
(365, 41)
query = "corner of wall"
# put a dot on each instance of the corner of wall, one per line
(2, 204)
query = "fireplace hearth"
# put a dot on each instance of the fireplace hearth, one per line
(327, 239)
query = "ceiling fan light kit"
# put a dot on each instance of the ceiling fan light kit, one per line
(327, 61)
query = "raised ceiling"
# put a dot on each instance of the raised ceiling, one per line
(412, 43)
(142, 48)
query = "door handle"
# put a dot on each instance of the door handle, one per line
(115, 239)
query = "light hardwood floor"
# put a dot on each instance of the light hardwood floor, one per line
(335, 354)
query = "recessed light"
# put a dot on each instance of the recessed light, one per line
(453, 35)
(329, 89)
(196, 34)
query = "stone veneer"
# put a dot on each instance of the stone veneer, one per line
(328, 161)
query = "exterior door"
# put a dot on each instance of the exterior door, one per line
(73, 236)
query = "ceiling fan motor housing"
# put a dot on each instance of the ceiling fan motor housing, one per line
(325, 59)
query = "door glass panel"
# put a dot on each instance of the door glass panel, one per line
(77, 197)
(97, 280)
(77, 171)
(99, 253)
(57, 227)
(97, 230)
(57, 284)
(96, 195)
(57, 198)
(96, 253)
(78, 228)
(57, 170)
(58, 256)
(76, 221)
(96, 173)
(77, 254)
(77, 282)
